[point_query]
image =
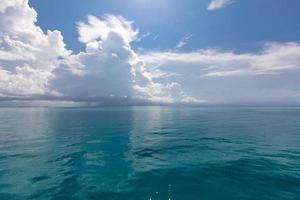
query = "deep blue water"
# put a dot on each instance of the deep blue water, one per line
(142, 153)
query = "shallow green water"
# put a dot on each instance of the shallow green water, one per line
(150, 153)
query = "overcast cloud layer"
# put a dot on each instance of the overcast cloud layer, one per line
(37, 64)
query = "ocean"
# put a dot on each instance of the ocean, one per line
(143, 153)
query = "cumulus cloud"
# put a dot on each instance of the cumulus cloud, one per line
(34, 63)
(104, 69)
(96, 29)
(218, 4)
(109, 68)
(27, 54)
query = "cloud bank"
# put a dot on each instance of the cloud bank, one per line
(270, 75)
(37, 64)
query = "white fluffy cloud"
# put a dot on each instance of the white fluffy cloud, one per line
(34, 63)
(218, 4)
(97, 29)
(104, 69)
(109, 68)
(27, 54)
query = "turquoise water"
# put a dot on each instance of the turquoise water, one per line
(142, 153)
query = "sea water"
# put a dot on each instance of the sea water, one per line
(157, 153)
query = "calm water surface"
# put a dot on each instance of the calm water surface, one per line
(157, 153)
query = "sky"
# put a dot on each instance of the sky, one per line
(163, 51)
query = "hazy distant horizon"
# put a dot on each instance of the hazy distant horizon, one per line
(131, 103)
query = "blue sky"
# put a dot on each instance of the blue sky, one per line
(241, 26)
(162, 51)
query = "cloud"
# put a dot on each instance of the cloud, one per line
(27, 54)
(222, 76)
(8, 4)
(109, 68)
(104, 69)
(96, 29)
(37, 64)
(183, 41)
(274, 58)
(144, 36)
(218, 4)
